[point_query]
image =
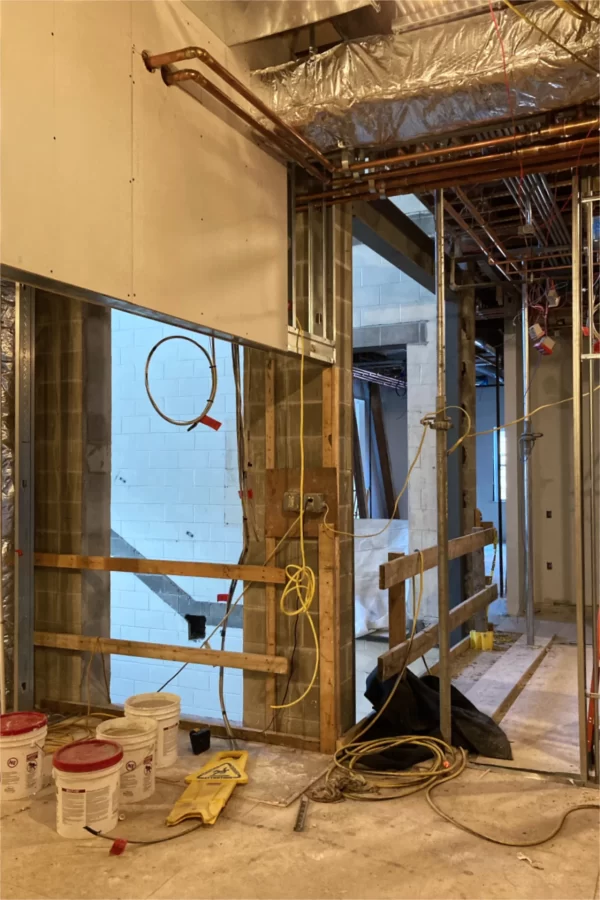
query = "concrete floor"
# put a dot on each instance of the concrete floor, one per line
(399, 849)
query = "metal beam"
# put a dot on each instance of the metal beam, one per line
(386, 230)
(372, 337)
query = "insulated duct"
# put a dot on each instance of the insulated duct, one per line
(386, 90)
(7, 407)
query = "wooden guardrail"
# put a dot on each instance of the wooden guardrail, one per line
(253, 662)
(264, 574)
(393, 660)
(393, 576)
(404, 567)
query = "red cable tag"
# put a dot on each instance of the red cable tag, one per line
(118, 847)
(212, 423)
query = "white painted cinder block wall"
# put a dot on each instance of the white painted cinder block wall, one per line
(174, 496)
(384, 296)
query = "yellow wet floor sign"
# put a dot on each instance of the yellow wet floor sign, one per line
(210, 787)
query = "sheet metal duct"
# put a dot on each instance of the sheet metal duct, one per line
(382, 91)
(241, 21)
(7, 423)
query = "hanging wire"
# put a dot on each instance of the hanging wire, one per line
(212, 363)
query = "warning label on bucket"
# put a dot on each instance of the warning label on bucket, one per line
(32, 762)
(80, 807)
(148, 766)
(73, 806)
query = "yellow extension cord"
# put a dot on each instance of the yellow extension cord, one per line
(301, 578)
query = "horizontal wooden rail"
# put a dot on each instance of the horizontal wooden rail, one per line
(251, 662)
(391, 573)
(391, 662)
(265, 574)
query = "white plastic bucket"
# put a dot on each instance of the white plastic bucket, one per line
(87, 786)
(137, 737)
(22, 736)
(164, 709)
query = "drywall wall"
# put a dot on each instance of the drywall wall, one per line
(114, 183)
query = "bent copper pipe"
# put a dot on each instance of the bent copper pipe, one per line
(551, 131)
(160, 60)
(182, 75)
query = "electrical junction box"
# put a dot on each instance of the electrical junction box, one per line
(536, 332)
(545, 346)
(552, 298)
(313, 503)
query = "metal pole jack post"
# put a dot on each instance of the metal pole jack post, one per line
(442, 424)
(577, 544)
(593, 423)
(528, 439)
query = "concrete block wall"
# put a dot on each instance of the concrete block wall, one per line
(72, 486)
(174, 496)
(382, 296)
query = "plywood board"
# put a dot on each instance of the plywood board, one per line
(542, 723)
(115, 184)
(501, 684)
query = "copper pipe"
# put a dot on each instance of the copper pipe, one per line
(451, 179)
(552, 131)
(182, 75)
(506, 164)
(160, 60)
(522, 156)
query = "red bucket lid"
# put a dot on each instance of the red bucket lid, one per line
(15, 723)
(87, 756)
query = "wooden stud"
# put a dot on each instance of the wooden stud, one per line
(328, 643)
(397, 608)
(477, 583)
(359, 475)
(328, 418)
(270, 542)
(392, 661)
(253, 662)
(265, 574)
(383, 451)
(270, 414)
(391, 573)
(271, 633)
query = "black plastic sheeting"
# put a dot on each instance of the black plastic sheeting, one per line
(415, 710)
